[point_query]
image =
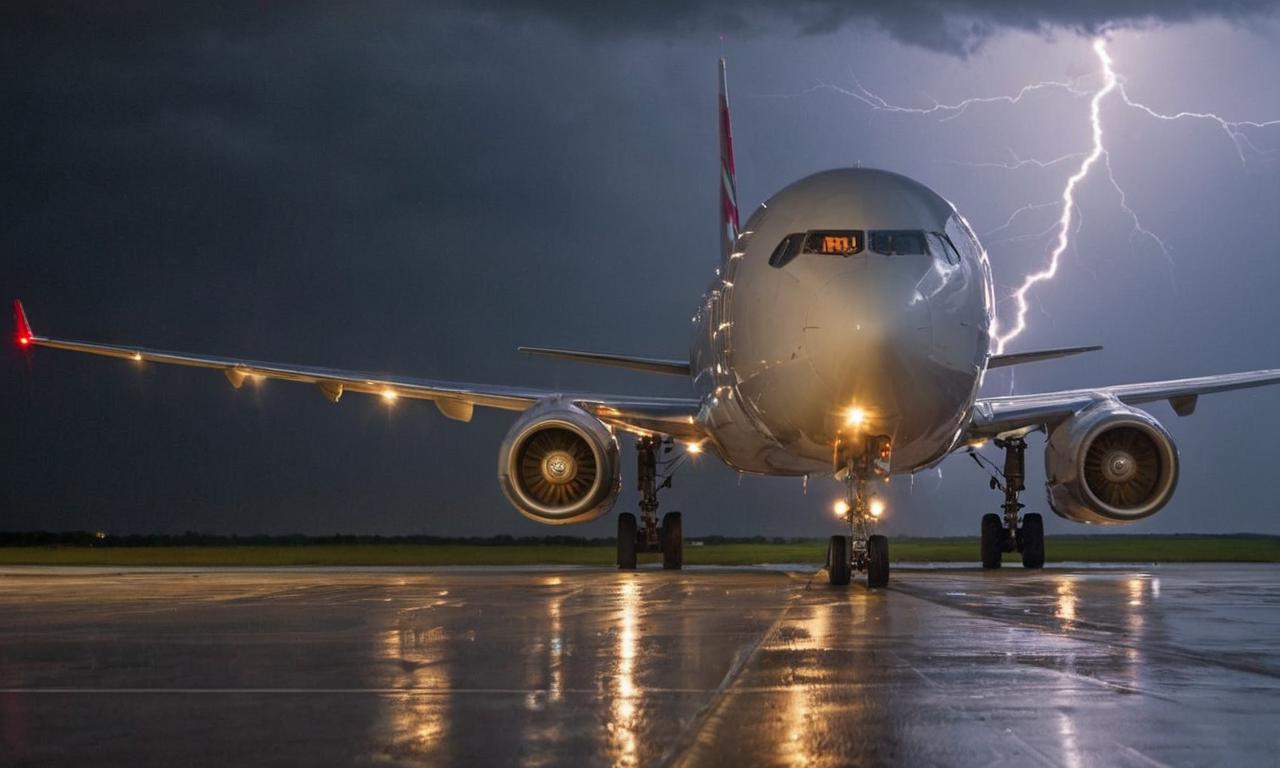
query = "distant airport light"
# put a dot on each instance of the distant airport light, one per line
(841, 508)
(389, 395)
(855, 417)
(877, 508)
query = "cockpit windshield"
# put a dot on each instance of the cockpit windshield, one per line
(898, 242)
(851, 242)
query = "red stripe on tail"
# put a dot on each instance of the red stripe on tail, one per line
(729, 225)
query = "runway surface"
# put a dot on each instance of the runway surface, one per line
(1173, 665)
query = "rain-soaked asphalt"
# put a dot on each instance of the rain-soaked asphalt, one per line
(1143, 666)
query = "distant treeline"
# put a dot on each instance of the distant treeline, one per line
(193, 539)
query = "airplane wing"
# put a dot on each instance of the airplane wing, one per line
(996, 415)
(648, 364)
(1020, 358)
(664, 415)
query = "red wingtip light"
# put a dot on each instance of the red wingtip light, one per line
(24, 328)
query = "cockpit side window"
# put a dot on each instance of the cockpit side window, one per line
(963, 239)
(942, 248)
(898, 242)
(786, 250)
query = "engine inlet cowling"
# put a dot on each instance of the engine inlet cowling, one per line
(559, 464)
(1110, 465)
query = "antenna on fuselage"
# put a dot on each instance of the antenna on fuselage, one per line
(728, 179)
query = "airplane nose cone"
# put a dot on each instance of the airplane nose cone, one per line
(867, 334)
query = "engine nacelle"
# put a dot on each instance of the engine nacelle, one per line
(559, 464)
(1110, 465)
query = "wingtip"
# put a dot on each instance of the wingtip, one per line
(24, 333)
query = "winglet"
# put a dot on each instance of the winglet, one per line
(25, 334)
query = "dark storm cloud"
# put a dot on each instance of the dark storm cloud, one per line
(954, 27)
(390, 181)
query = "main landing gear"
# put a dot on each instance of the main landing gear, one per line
(1011, 534)
(667, 538)
(861, 550)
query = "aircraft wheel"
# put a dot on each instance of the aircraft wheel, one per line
(877, 561)
(838, 561)
(627, 541)
(992, 540)
(672, 541)
(1032, 536)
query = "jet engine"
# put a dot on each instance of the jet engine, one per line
(1110, 465)
(559, 464)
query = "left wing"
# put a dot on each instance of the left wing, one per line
(456, 400)
(995, 415)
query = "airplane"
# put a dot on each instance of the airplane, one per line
(847, 331)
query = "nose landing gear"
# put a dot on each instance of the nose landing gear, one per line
(1009, 533)
(667, 538)
(862, 550)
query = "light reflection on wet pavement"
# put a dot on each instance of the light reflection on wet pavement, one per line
(1175, 665)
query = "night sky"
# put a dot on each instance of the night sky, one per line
(419, 189)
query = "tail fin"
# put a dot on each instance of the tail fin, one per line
(728, 180)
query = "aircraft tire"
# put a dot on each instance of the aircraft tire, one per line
(838, 561)
(992, 540)
(877, 562)
(627, 541)
(672, 541)
(1032, 536)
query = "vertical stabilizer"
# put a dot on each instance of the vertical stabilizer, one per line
(728, 181)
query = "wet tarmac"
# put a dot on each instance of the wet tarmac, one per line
(1143, 666)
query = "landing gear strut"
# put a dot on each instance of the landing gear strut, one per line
(1012, 532)
(861, 550)
(648, 535)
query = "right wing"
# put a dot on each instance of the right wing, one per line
(649, 364)
(1018, 358)
(996, 415)
(672, 416)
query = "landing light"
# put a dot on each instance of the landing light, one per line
(855, 416)
(877, 508)
(24, 341)
(389, 395)
(693, 448)
(841, 508)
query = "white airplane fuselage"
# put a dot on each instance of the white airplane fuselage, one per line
(787, 340)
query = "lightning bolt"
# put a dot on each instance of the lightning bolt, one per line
(1068, 222)
(1068, 212)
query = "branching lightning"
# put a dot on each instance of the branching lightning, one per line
(1235, 129)
(1098, 151)
(1068, 222)
(951, 111)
